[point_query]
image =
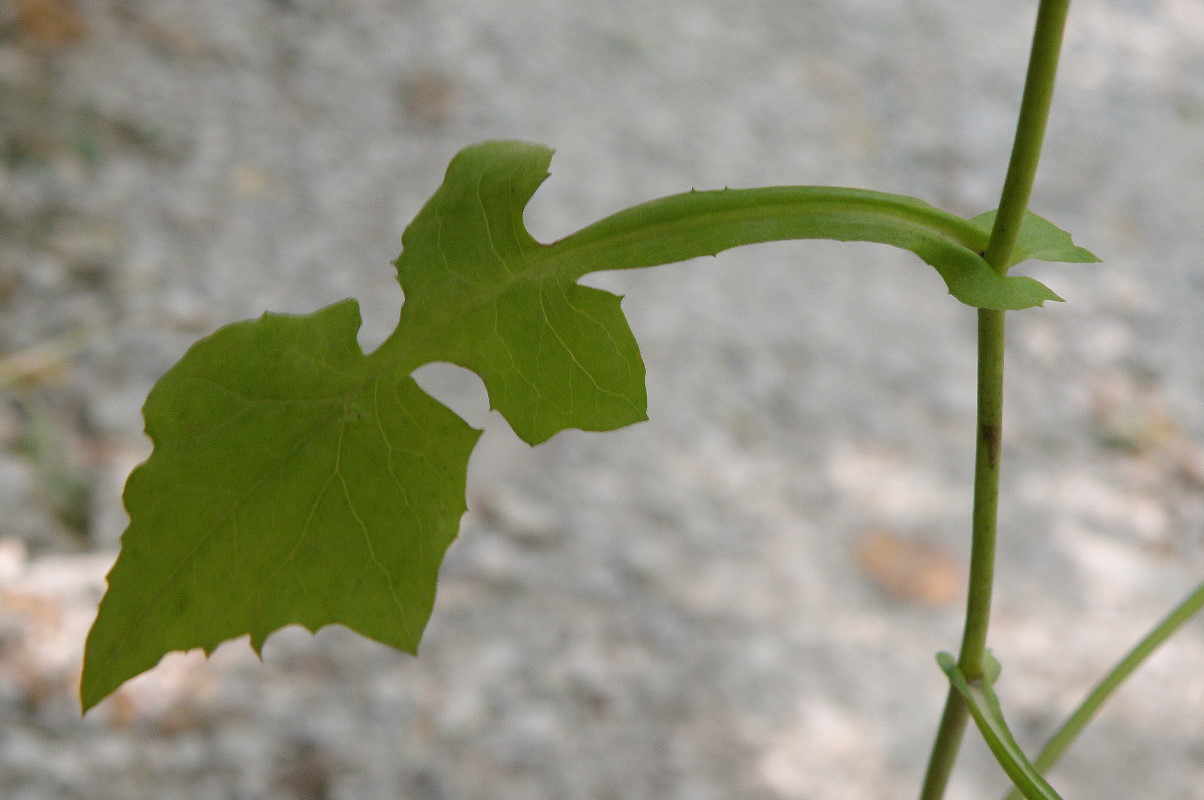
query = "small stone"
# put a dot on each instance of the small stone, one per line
(49, 24)
(428, 97)
(907, 568)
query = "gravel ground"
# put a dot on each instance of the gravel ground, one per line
(739, 598)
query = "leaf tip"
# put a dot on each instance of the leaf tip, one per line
(257, 640)
(95, 682)
(89, 695)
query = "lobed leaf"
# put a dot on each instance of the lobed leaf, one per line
(296, 480)
(482, 293)
(292, 481)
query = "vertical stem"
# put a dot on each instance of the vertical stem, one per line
(982, 549)
(1017, 186)
(986, 491)
(946, 746)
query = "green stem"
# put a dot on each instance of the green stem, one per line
(986, 491)
(982, 553)
(1017, 187)
(1104, 689)
(1030, 130)
(946, 745)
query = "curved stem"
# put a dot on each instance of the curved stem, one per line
(1026, 151)
(1110, 682)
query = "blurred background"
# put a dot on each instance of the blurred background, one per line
(738, 599)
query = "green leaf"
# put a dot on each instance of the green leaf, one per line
(292, 481)
(984, 709)
(482, 293)
(296, 480)
(1040, 239)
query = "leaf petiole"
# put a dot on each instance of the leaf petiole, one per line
(983, 705)
(1086, 710)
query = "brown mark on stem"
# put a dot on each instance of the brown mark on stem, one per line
(989, 435)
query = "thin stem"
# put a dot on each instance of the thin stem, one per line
(1030, 131)
(982, 553)
(946, 746)
(1013, 202)
(986, 491)
(1110, 682)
